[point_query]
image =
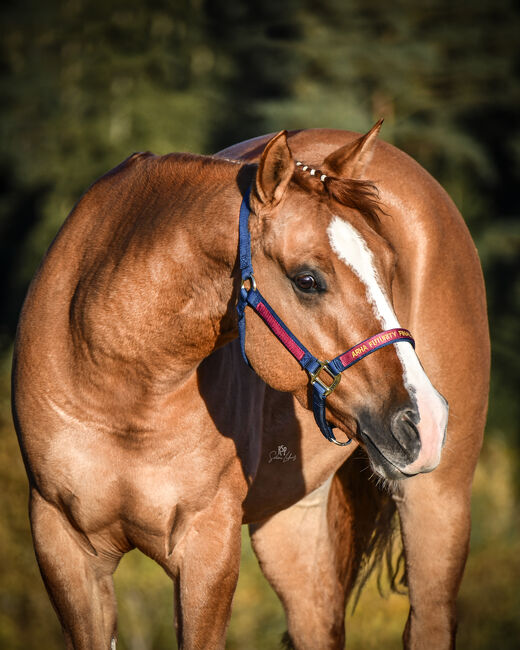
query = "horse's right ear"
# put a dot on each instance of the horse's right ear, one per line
(275, 170)
(351, 160)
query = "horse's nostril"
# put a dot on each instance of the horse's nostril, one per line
(406, 433)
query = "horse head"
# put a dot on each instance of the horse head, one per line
(324, 266)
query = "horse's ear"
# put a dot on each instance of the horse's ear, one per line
(351, 160)
(275, 169)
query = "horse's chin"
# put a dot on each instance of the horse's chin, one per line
(389, 471)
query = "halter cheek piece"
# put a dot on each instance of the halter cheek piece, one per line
(310, 363)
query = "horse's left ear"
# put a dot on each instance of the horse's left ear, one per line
(351, 160)
(275, 170)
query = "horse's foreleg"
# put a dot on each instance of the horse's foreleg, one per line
(435, 523)
(79, 581)
(204, 566)
(312, 552)
(297, 554)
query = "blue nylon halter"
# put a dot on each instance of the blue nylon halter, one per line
(253, 298)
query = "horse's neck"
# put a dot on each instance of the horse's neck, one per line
(201, 282)
(165, 299)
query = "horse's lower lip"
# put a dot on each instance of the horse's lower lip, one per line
(405, 474)
(381, 464)
(393, 472)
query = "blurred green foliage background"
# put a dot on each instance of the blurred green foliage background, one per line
(84, 83)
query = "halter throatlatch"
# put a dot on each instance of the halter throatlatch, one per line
(316, 369)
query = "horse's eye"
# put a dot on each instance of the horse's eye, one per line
(305, 282)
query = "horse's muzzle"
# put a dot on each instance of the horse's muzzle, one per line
(409, 446)
(405, 432)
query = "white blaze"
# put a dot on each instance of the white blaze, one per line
(352, 249)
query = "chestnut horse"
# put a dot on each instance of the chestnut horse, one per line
(141, 426)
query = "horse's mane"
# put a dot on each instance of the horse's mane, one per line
(360, 195)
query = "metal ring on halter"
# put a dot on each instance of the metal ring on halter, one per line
(251, 279)
(339, 442)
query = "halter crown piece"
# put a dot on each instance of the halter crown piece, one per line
(310, 363)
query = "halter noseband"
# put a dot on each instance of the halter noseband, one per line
(310, 363)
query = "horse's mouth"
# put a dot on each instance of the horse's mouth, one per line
(380, 463)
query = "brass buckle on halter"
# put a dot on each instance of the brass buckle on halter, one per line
(316, 379)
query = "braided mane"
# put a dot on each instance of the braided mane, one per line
(360, 195)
